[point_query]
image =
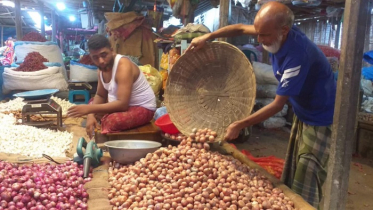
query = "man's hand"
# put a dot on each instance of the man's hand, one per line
(197, 43)
(91, 125)
(78, 111)
(233, 131)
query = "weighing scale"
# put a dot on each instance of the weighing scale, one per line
(79, 89)
(40, 102)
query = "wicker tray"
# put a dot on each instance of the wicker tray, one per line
(210, 88)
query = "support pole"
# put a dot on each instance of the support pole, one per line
(355, 19)
(42, 24)
(54, 27)
(61, 42)
(224, 15)
(367, 32)
(2, 36)
(18, 20)
(337, 34)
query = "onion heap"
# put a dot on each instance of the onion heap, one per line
(190, 176)
(197, 135)
(42, 186)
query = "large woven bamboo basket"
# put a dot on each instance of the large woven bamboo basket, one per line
(210, 88)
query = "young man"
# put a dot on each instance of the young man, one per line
(306, 80)
(123, 96)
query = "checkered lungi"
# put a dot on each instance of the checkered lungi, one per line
(135, 116)
(306, 160)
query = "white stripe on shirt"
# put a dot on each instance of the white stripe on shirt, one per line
(289, 73)
(292, 69)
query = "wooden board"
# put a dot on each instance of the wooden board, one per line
(146, 132)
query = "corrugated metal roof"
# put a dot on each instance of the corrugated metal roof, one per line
(203, 6)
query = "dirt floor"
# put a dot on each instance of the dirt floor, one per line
(265, 142)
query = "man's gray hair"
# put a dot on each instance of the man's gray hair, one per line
(289, 18)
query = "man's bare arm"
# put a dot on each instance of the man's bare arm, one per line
(265, 112)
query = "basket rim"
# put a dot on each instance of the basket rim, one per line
(250, 100)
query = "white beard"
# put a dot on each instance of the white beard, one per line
(275, 47)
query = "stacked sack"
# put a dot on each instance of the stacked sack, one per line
(34, 73)
(84, 70)
(266, 86)
(49, 50)
(39, 66)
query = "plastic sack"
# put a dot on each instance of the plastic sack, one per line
(367, 72)
(82, 72)
(47, 64)
(49, 50)
(368, 57)
(160, 112)
(334, 63)
(153, 76)
(50, 78)
(266, 91)
(164, 61)
(274, 122)
(264, 74)
(367, 86)
(261, 102)
(329, 51)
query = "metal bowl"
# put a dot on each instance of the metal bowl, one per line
(130, 151)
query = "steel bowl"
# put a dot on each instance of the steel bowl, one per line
(130, 151)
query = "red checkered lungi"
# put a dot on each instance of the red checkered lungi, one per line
(119, 121)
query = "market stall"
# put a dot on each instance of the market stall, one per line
(194, 173)
(118, 186)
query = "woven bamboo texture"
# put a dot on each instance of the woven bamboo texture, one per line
(210, 88)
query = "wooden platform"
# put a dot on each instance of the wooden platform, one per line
(146, 132)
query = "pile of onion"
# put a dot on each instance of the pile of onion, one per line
(178, 137)
(197, 135)
(42, 186)
(192, 177)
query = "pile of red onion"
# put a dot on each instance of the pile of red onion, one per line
(42, 186)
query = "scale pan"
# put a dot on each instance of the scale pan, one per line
(36, 94)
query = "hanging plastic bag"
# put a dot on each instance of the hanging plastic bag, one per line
(164, 74)
(153, 77)
(164, 61)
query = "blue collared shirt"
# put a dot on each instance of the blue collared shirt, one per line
(306, 76)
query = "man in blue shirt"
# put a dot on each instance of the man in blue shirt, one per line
(306, 80)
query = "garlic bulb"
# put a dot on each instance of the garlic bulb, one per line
(12, 105)
(65, 104)
(17, 105)
(32, 141)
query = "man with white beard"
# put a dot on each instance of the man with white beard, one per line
(306, 80)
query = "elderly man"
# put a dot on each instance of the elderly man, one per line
(306, 80)
(123, 96)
